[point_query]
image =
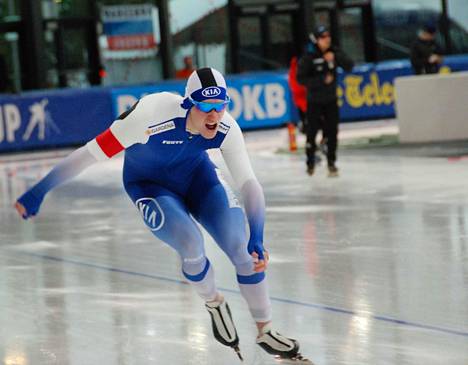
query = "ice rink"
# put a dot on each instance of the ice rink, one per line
(369, 268)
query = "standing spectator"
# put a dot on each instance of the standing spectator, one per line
(317, 71)
(185, 72)
(425, 53)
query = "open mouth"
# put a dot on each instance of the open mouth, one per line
(211, 127)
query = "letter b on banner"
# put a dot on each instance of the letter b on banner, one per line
(259, 102)
(275, 100)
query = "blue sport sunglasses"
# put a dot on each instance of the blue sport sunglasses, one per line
(208, 107)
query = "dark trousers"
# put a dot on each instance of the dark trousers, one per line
(323, 116)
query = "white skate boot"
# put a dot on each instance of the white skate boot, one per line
(223, 326)
(285, 350)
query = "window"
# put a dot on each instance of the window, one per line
(65, 8)
(397, 23)
(9, 10)
(10, 73)
(199, 30)
(458, 20)
(10, 70)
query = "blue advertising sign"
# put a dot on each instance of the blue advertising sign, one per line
(263, 99)
(257, 100)
(368, 92)
(53, 118)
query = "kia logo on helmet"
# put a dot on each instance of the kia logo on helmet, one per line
(211, 91)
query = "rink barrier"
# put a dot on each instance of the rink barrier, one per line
(57, 118)
(441, 119)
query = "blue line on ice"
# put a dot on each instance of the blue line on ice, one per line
(276, 299)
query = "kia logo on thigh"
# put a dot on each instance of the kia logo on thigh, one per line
(151, 212)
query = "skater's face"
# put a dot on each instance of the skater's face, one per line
(205, 116)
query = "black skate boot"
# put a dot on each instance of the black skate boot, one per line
(332, 171)
(223, 326)
(285, 350)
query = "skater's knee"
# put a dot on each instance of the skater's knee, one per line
(247, 275)
(187, 235)
(189, 244)
(236, 250)
(245, 268)
(195, 269)
(251, 279)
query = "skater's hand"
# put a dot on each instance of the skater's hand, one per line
(28, 205)
(260, 265)
(259, 254)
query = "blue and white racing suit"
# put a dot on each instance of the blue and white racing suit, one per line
(171, 180)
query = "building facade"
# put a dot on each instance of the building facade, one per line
(80, 43)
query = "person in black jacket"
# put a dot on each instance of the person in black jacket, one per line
(425, 53)
(317, 71)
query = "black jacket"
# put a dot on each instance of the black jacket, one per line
(312, 69)
(421, 50)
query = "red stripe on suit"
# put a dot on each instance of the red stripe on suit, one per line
(108, 143)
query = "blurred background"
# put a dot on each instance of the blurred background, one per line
(64, 43)
(111, 52)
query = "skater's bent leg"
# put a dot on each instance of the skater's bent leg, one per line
(254, 289)
(168, 219)
(201, 276)
(216, 208)
(226, 223)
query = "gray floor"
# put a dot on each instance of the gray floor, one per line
(370, 268)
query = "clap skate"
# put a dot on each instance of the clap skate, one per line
(285, 350)
(223, 326)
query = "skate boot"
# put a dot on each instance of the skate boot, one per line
(223, 326)
(332, 171)
(284, 349)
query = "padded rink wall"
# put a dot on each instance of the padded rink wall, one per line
(68, 117)
(432, 108)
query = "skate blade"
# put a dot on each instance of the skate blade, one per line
(299, 359)
(237, 350)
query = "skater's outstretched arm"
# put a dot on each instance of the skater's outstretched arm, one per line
(29, 203)
(237, 160)
(128, 129)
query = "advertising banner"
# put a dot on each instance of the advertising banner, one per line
(257, 100)
(53, 118)
(129, 27)
(368, 92)
(263, 99)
